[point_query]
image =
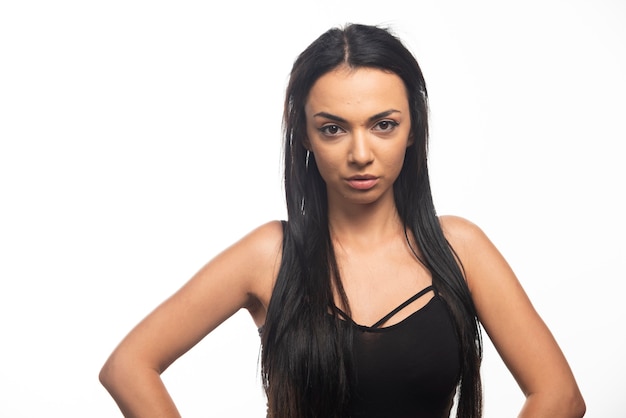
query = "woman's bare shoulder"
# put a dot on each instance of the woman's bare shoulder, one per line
(258, 256)
(460, 230)
(470, 243)
(258, 252)
(265, 239)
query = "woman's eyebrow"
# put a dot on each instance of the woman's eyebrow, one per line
(342, 120)
(383, 114)
(329, 116)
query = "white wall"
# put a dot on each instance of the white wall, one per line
(138, 139)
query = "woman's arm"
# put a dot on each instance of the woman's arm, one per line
(521, 337)
(240, 277)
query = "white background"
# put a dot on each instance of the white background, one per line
(138, 139)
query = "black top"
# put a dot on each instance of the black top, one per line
(409, 369)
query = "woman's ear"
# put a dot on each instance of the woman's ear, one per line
(410, 140)
(306, 143)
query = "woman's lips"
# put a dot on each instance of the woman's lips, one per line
(362, 182)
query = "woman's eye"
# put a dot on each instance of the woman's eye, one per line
(386, 125)
(330, 130)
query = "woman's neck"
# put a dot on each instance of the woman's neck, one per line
(364, 225)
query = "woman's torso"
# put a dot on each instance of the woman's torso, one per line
(406, 366)
(409, 369)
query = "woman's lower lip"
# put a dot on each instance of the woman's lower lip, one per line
(362, 184)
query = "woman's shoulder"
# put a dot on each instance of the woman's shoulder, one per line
(466, 238)
(458, 228)
(254, 254)
(271, 230)
(265, 239)
(473, 248)
(253, 262)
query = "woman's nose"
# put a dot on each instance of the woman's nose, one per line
(360, 150)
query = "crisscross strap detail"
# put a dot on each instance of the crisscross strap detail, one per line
(392, 313)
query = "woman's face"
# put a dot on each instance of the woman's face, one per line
(358, 129)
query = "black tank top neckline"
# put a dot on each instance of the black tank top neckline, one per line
(378, 326)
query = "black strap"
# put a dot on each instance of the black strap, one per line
(390, 314)
(402, 306)
(343, 314)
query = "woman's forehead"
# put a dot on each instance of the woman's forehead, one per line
(354, 91)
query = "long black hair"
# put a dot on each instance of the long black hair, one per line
(305, 359)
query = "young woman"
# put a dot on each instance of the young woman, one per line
(368, 304)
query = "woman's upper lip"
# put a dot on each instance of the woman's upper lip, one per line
(362, 177)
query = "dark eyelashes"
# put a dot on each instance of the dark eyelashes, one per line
(391, 123)
(326, 130)
(383, 125)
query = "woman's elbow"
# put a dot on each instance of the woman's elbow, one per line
(108, 374)
(572, 404)
(555, 403)
(117, 371)
(573, 401)
(578, 406)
